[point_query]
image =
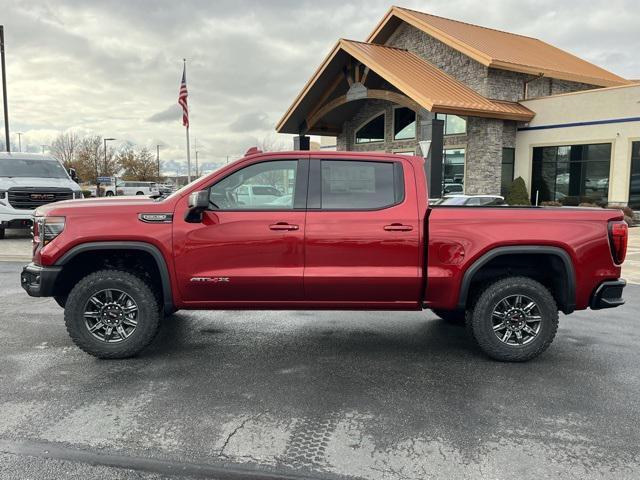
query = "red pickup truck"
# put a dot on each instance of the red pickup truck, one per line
(322, 230)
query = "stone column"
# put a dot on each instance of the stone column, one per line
(301, 142)
(432, 130)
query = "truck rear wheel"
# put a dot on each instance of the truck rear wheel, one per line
(514, 319)
(112, 314)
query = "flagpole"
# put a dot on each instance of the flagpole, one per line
(184, 62)
(188, 158)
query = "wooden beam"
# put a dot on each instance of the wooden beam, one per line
(397, 98)
(365, 75)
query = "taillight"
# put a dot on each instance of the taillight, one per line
(618, 235)
(47, 228)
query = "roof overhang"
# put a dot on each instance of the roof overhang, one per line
(424, 86)
(395, 15)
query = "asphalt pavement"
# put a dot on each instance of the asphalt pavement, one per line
(316, 394)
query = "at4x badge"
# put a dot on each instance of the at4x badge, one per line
(210, 279)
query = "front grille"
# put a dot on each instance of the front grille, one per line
(29, 198)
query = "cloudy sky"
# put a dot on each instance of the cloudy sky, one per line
(113, 67)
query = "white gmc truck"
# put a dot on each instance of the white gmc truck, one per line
(27, 181)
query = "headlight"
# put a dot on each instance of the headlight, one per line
(47, 228)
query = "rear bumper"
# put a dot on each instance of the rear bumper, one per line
(39, 281)
(608, 294)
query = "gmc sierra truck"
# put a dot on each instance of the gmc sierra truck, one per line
(340, 231)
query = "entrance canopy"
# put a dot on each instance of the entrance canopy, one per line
(356, 71)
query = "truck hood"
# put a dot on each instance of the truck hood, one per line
(37, 182)
(97, 204)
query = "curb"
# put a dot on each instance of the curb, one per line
(15, 258)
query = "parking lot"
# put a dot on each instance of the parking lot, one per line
(316, 394)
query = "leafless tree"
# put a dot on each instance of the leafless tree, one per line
(65, 148)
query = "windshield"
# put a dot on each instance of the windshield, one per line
(10, 167)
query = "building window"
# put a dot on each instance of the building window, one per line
(634, 181)
(453, 171)
(404, 123)
(571, 174)
(372, 131)
(453, 124)
(508, 160)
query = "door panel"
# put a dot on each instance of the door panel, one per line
(369, 257)
(246, 249)
(239, 256)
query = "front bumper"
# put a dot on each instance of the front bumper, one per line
(39, 281)
(608, 294)
(25, 222)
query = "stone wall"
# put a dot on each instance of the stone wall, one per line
(456, 64)
(483, 161)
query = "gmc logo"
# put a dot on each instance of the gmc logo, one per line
(42, 196)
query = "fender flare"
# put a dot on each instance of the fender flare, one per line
(569, 300)
(165, 279)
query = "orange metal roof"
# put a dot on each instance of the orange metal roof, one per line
(498, 49)
(418, 79)
(428, 85)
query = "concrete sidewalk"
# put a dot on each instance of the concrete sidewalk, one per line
(16, 247)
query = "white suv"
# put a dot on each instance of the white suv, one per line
(28, 180)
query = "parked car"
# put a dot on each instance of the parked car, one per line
(126, 187)
(28, 181)
(470, 200)
(453, 188)
(354, 238)
(256, 194)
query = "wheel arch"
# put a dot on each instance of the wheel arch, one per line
(564, 290)
(123, 246)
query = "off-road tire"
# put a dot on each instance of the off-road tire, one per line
(149, 313)
(455, 317)
(480, 322)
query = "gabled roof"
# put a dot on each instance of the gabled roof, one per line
(498, 49)
(422, 82)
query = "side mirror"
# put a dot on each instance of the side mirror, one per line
(73, 174)
(198, 203)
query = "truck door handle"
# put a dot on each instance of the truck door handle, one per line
(283, 226)
(398, 227)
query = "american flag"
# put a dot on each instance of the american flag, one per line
(182, 98)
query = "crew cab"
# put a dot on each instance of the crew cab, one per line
(354, 231)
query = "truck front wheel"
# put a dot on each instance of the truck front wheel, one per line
(112, 314)
(514, 319)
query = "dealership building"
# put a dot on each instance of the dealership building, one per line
(499, 105)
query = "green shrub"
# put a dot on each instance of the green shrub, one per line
(86, 193)
(518, 194)
(550, 203)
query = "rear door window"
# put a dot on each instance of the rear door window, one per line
(360, 185)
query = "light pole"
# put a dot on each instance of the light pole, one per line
(19, 141)
(4, 90)
(158, 160)
(105, 166)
